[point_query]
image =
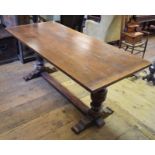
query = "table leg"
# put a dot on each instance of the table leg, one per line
(39, 69)
(20, 52)
(96, 114)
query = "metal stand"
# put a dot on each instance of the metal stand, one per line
(151, 77)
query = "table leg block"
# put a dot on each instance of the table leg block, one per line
(89, 121)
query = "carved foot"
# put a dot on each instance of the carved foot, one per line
(32, 75)
(37, 72)
(92, 120)
(150, 78)
(82, 125)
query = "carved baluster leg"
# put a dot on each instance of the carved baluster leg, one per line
(97, 110)
(97, 99)
(97, 106)
(96, 114)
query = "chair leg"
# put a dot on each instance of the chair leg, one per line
(132, 50)
(126, 48)
(20, 52)
(144, 52)
(144, 49)
(120, 44)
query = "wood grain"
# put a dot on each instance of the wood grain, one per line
(88, 61)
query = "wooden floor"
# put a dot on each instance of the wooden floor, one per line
(35, 110)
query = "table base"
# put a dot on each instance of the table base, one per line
(93, 116)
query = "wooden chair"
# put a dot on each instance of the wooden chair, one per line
(133, 39)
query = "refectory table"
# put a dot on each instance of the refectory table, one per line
(93, 64)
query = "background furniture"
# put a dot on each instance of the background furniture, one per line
(108, 29)
(144, 18)
(151, 76)
(133, 39)
(95, 18)
(8, 46)
(24, 53)
(49, 17)
(73, 21)
(147, 22)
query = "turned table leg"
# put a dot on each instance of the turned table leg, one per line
(39, 69)
(97, 99)
(96, 114)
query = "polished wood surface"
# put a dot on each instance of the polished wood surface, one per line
(88, 61)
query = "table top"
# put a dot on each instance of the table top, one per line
(90, 62)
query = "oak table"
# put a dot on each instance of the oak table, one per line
(93, 64)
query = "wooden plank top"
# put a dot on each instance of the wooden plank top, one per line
(90, 62)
